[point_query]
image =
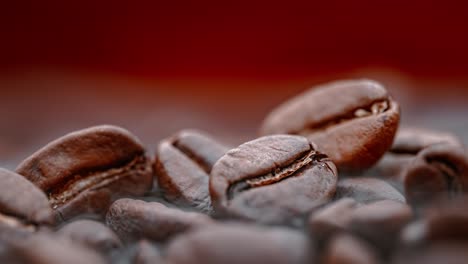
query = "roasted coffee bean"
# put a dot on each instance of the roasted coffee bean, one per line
(47, 249)
(381, 222)
(367, 190)
(135, 219)
(353, 122)
(92, 234)
(146, 254)
(182, 166)
(332, 219)
(442, 252)
(409, 141)
(272, 179)
(83, 172)
(438, 171)
(239, 244)
(22, 205)
(346, 249)
(446, 220)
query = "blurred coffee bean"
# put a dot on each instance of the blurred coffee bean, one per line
(84, 171)
(436, 253)
(239, 244)
(353, 122)
(48, 249)
(447, 220)
(409, 141)
(333, 218)
(92, 234)
(381, 222)
(272, 179)
(146, 254)
(182, 166)
(367, 190)
(22, 203)
(438, 171)
(346, 249)
(135, 219)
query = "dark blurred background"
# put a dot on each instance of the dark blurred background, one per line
(158, 66)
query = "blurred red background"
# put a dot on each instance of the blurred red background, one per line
(158, 66)
(258, 39)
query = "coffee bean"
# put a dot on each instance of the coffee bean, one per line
(440, 170)
(381, 222)
(83, 172)
(346, 249)
(135, 219)
(182, 166)
(442, 252)
(146, 254)
(332, 219)
(21, 203)
(367, 190)
(353, 122)
(272, 179)
(92, 234)
(409, 141)
(446, 220)
(239, 244)
(46, 249)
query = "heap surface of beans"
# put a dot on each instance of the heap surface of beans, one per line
(330, 178)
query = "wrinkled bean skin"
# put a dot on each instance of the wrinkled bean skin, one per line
(183, 164)
(354, 122)
(84, 171)
(272, 179)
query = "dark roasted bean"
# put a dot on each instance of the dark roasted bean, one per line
(22, 205)
(146, 254)
(367, 190)
(333, 218)
(381, 222)
(272, 179)
(83, 172)
(346, 249)
(182, 166)
(92, 234)
(47, 249)
(438, 171)
(353, 122)
(239, 244)
(135, 219)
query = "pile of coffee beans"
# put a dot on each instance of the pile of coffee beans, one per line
(332, 178)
